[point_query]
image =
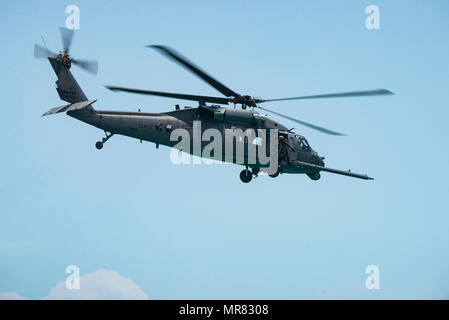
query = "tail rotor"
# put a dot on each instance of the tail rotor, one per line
(67, 37)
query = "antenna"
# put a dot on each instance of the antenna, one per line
(42, 37)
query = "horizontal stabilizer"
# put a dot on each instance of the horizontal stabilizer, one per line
(69, 107)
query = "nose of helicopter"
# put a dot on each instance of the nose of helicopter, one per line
(320, 160)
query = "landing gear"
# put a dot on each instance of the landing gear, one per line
(99, 144)
(246, 176)
(255, 170)
(314, 176)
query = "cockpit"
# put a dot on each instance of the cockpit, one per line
(300, 143)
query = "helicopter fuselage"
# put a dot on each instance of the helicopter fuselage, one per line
(159, 128)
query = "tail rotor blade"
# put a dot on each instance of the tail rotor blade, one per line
(309, 125)
(41, 52)
(67, 37)
(88, 65)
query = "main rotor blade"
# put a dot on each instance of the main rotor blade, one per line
(324, 130)
(190, 66)
(88, 65)
(378, 92)
(41, 52)
(172, 95)
(67, 37)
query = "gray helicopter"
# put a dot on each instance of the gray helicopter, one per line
(293, 152)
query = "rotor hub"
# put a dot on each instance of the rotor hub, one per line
(245, 101)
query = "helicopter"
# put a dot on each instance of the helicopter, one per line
(292, 152)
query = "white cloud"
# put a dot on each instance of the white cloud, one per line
(11, 296)
(99, 285)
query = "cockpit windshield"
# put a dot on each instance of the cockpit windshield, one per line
(300, 143)
(303, 144)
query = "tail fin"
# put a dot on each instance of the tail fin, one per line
(67, 87)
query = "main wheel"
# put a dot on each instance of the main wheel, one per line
(99, 145)
(246, 176)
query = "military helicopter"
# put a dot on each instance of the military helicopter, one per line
(294, 153)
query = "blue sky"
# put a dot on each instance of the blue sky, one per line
(196, 231)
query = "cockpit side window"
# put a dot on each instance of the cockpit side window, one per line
(303, 144)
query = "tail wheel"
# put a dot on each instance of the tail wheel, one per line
(99, 145)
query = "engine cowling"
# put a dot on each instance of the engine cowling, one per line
(239, 115)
